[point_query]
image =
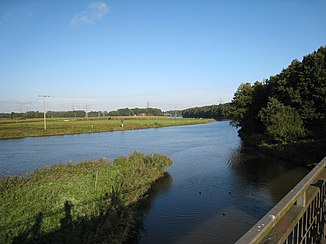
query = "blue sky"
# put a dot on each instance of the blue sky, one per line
(173, 53)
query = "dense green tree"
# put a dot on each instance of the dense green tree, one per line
(136, 111)
(217, 112)
(65, 114)
(240, 104)
(34, 114)
(303, 87)
(96, 114)
(241, 109)
(124, 112)
(113, 113)
(293, 100)
(5, 115)
(49, 114)
(283, 123)
(17, 115)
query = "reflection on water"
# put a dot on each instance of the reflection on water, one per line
(159, 187)
(222, 205)
(255, 169)
(216, 189)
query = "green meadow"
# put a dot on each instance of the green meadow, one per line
(20, 128)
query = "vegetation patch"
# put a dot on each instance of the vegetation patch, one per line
(218, 112)
(10, 128)
(92, 201)
(286, 113)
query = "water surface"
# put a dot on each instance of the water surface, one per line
(215, 191)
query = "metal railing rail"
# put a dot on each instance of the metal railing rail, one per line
(299, 217)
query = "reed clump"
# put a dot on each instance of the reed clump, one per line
(92, 201)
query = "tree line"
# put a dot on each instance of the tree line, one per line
(82, 113)
(287, 107)
(136, 111)
(218, 112)
(50, 114)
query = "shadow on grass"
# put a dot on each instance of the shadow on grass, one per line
(115, 223)
(112, 225)
(32, 233)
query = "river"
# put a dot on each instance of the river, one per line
(216, 189)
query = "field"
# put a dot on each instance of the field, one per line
(89, 202)
(20, 128)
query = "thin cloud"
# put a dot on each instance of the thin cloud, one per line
(81, 19)
(99, 9)
(95, 12)
(6, 17)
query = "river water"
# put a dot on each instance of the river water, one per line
(216, 189)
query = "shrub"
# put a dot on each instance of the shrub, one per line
(283, 124)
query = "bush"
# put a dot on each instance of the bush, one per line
(283, 124)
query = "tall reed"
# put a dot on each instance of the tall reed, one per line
(89, 201)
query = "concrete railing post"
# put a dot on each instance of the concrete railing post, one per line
(302, 200)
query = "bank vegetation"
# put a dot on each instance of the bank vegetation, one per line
(286, 114)
(94, 201)
(19, 128)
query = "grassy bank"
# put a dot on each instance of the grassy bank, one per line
(34, 127)
(92, 201)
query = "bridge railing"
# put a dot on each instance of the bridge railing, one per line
(299, 217)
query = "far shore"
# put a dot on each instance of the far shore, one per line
(21, 128)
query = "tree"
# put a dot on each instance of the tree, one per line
(218, 112)
(300, 88)
(283, 123)
(240, 104)
(302, 85)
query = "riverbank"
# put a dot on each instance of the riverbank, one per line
(305, 152)
(11, 129)
(74, 203)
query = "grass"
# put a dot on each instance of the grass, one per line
(10, 129)
(92, 201)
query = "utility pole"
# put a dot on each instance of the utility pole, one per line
(44, 96)
(86, 115)
(73, 108)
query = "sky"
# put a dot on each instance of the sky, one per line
(172, 54)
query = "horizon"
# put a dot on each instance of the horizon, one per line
(107, 111)
(172, 55)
